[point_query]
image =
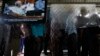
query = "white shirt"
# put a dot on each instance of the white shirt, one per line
(17, 10)
(71, 25)
(28, 7)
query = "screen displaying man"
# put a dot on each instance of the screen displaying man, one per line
(26, 9)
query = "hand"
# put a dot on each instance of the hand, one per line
(19, 54)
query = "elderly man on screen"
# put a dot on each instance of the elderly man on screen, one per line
(28, 8)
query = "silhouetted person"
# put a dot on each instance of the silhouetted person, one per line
(90, 39)
(81, 24)
(72, 34)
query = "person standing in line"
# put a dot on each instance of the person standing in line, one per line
(38, 31)
(22, 38)
(72, 34)
(90, 39)
(81, 27)
(29, 41)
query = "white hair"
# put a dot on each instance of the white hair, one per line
(18, 2)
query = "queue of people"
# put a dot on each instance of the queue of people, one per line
(82, 35)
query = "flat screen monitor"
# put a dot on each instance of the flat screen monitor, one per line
(24, 10)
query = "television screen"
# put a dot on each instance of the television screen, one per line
(24, 10)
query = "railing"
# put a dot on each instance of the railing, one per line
(73, 1)
(9, 18)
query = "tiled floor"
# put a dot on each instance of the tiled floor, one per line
(42, 54)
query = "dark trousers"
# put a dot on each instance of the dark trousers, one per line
(2, 47)
(21, 44)
(80, 34)
(56, 44)
(46, 43)
(57, 48)
(90, 42)
(33, 46)
(13, 45)
(38, 46)
(29, 46)
(72, 45)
